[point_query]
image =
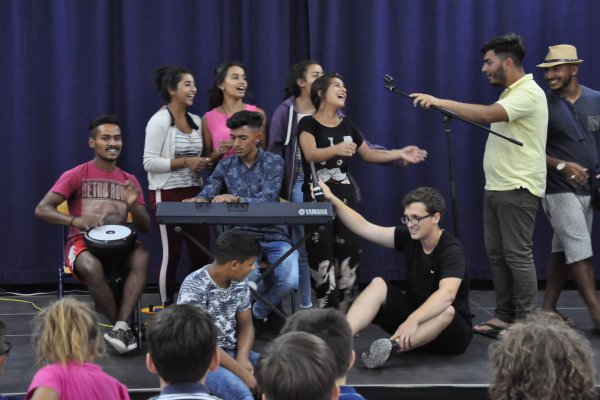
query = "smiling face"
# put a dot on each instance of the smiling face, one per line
(234, 84)
(107, 142)
(560, 76)
(426, 224)
(493, 68)
(336, 94)
(185, 92)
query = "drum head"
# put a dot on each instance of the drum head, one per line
(109, 233)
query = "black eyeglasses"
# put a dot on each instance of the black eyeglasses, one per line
(7, 347)
(413, 220)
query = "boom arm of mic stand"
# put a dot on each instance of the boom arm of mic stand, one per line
(452, 114)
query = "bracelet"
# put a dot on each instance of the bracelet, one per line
(72, 219)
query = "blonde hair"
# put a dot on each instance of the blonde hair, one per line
(543, 359)
(66, 330)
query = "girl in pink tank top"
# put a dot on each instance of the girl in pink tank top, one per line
(225, 99)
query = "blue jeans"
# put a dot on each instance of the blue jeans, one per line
(226, 385)
(297, 234)
(281, 282)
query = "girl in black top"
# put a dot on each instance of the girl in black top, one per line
(329, 140)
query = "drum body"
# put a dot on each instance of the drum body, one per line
(110, 243)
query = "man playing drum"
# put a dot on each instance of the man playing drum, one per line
(98, 193)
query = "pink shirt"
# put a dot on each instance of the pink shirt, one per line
(216, 122)
(90, 190)
(77, 381)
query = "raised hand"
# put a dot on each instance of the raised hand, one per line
(130, 193)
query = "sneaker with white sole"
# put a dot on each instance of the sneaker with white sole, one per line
(122, 340)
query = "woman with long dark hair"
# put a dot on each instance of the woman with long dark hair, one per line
(328, 139)
(225, 98)
(175, 157)
(283, 140)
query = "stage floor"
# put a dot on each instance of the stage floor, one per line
(417, 375)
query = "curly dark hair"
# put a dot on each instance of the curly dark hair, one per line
(543, 359)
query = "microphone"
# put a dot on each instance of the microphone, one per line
(317, 191)
(388, 82)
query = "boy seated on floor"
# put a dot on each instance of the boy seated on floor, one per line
(433, 313)
(182, 348)
(331, 326)
(221, 289)
(297, 366)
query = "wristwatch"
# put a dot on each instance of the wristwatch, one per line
(560, 166)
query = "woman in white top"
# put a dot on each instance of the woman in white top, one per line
(174, 157)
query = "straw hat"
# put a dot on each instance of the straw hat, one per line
(560, 54)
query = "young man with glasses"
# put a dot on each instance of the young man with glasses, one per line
(434, 311)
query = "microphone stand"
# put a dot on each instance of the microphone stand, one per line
(448, 115)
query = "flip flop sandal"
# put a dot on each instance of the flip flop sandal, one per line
(492, 333)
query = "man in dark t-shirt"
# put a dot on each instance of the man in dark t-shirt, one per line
(434, 311)
(571, 157)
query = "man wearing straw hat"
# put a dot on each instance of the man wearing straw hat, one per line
(571, 155)
(515, 176)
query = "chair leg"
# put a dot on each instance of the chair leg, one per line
(293, 301)
(138, 323)
(60, 282)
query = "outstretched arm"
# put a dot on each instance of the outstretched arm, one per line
(474, 112)
(383, 236)
(408, 154)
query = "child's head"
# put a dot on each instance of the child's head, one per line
(66, 330)
(542, 358)
(331, 326)
(182, 344)
(297, 366)
(239, 249)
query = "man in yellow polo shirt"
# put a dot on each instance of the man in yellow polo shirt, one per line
(515, 176)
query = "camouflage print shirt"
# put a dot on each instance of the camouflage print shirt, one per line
(223, 304)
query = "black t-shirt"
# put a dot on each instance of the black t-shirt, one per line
(424, 271)
(563, 141)
(335, 169)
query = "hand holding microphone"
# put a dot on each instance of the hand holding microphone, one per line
(317, 191)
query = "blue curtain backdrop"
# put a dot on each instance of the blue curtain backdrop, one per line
(66, 61)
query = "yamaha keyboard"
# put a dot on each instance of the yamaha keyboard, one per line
(244, 213)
